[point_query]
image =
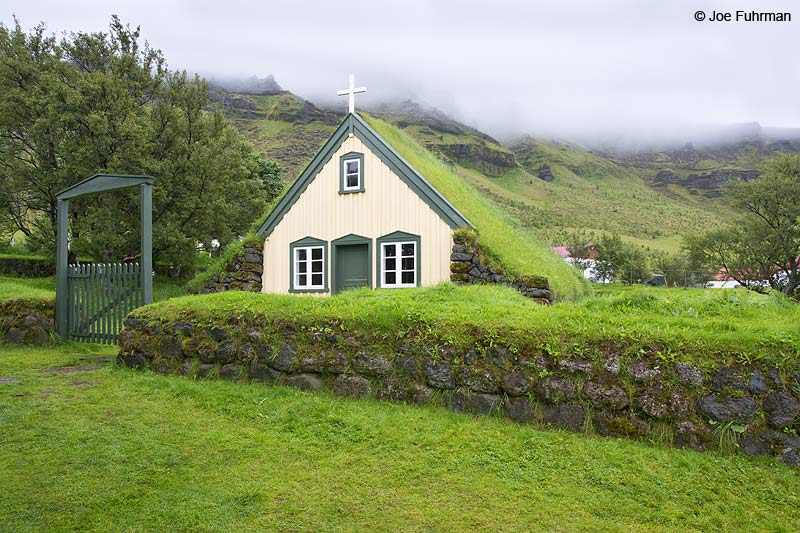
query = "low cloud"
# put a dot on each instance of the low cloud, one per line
(590, 70)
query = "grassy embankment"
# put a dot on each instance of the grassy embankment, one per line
(115, 449)
(691, 325)
(498, 233)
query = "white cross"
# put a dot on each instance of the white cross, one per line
(351, 92)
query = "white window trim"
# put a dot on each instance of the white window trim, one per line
(398, 265)
(296, 261)
(357, 186)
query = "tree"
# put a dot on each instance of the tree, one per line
(763, 243)
(619, 261)
(103, 102)
(580, 252)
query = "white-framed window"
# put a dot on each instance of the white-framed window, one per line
(399, 264)
(352, 174)
(309, 268)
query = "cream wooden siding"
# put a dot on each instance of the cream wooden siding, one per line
(387, 205)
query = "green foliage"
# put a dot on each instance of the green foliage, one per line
(519, 253)
(269, 172)
(764, 242)
(114, 449)
(704, 326)
(619, 261)
(103, 102)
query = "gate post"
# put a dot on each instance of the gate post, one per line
(146, 216)
(61, 268)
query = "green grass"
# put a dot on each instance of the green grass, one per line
(120, 450)
(12, 287)
(595, 193)
(704, 326)
(518, 252)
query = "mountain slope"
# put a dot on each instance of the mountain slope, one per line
(498, 233)
(555, 191)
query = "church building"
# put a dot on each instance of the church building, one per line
(358, 216)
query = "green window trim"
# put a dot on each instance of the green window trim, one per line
(398, 237)
(308, 242)
(351, 156)
(344, 241)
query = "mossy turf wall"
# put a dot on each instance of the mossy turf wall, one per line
(26, 265)
(28, 322)
(405, 346)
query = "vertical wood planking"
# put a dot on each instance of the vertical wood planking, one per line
(99, 298)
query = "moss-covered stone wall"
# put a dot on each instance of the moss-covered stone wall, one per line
(747, 408)
(27, 321)
(242, 273)
(468, 264)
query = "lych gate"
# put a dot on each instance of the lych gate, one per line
(92, 300)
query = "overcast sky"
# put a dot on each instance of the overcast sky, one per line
(558, 68)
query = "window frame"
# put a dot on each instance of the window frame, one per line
(343, 160)
(398, 238)
(307, 243)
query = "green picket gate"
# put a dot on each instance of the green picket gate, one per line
(100, 296)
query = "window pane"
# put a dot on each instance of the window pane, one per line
(408, 249)
(352, 180)
(316, 279)
(408, 263)
(390, 264)
(389, 250)
(302, 280)
(351, 167)
(390, 278)
(301, 267)
(316, 266)
(407, 277)
(316, 253)
(301, 254)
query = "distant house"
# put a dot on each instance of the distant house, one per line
(358, 216)
(586, 265)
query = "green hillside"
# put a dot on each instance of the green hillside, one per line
(283, 127)
(649, 198)
(498, 232)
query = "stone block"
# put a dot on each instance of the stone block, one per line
(351, 385)
(308, 382)
(476, 403)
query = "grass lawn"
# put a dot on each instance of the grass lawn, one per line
(13, 287)
(119, 450)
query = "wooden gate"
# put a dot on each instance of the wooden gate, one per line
(100, 296)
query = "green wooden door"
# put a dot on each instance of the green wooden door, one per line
(352, 267)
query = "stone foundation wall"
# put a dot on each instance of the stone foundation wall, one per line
(28, 322)
(748, 408)
(467, 266)
(242, 273)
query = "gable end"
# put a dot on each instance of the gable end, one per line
(356, 125)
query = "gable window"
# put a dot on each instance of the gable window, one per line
(352, 174)
(308, 269)
(351, 170)
(399, 260)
